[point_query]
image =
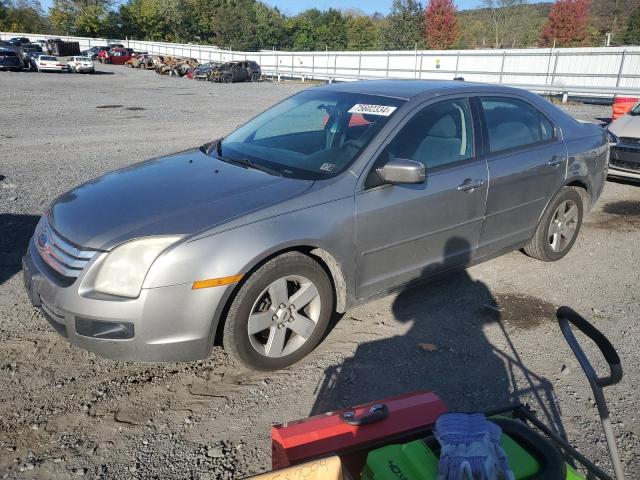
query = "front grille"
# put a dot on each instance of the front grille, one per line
(633, 167)
(61, 255)
(630, 140)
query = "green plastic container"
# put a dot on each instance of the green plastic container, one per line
(415, 461)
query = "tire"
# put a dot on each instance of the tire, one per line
(255, 77)
(558, 228)
(277, 345)
(228, 78)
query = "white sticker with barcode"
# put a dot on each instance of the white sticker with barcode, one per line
(382, 110)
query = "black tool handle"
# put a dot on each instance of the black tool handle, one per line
(375, 414)
(566, 315)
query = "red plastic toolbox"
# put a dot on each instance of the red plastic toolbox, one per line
(354, 429)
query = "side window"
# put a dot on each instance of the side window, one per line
(441, 134)
(514, 123)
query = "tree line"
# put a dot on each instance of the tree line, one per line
(251, 24)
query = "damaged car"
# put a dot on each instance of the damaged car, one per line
(624, 138)
(231, 72)
(332, 197)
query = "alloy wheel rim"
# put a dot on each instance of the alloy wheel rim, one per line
(564, 224)
(284, 316)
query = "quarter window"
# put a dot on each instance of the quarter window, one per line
(441, 134)
(514, 123)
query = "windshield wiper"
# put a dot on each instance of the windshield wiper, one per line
(245, 162)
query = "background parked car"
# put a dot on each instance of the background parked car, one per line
(92, 52)
(31, 60)
(624, 138)
(115, 56)
(19, 40)
(26, 50)
(49, 63)
(236, 72)
(202, 71)
(9, 60)
(81, 65)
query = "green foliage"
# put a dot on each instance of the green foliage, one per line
(22, 16)
(405, 25)
(271, 27)
(80, 17)
(363, 33)
(632, 35)
(318, 30)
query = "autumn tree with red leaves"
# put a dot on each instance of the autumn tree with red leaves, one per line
(441, 25)
(567, 24)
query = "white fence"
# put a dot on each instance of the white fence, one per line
(600, 72)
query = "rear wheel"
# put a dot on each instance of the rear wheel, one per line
(558, 228)
(280, 314)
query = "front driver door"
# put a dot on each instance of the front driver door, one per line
(404, 232)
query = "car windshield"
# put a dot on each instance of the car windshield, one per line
(83, 59)
(635, 110)
(312, 135)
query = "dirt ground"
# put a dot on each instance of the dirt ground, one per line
(66, 413)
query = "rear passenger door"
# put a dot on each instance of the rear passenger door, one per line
(527, 166)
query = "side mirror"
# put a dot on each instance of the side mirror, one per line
(402, 170)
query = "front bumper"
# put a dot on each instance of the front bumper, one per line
(168, 324)
(625, 161)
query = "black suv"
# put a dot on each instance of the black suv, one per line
(10, 60)
(236, 72)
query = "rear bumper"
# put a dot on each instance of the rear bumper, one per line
(167, 324)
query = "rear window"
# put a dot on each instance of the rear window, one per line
(514, 123)
(48, 59)
(7, 53)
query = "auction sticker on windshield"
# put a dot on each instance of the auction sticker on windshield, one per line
(382, 110)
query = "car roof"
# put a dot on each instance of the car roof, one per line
(408, 89)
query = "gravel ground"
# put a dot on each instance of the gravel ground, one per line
(66, 413)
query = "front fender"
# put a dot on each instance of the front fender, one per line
(328, 226)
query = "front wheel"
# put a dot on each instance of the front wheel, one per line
(228, 78)
(280, 313)
(255, 76)
(558, 228)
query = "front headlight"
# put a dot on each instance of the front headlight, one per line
(125, 268)
(612, 138)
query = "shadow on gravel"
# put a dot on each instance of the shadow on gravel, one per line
(447, 351)
(15, 232)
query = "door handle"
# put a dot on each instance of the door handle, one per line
(555, 161)
(470, 185)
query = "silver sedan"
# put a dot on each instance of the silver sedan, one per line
(333, 196)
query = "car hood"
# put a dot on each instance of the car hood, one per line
(183, 193)
(626, 126)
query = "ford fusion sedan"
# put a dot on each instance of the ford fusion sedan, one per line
(624, 135)
(334, 196)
